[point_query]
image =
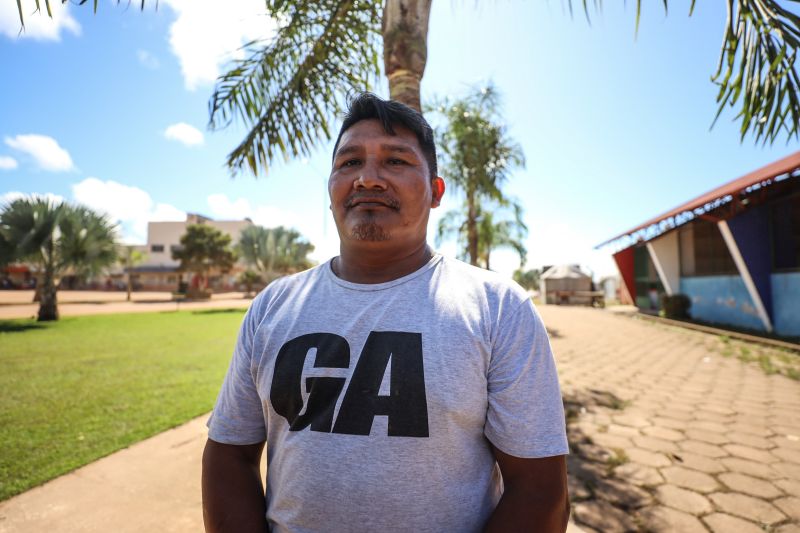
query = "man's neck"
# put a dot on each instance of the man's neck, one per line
(379, 266)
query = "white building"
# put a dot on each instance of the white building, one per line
(160, 272)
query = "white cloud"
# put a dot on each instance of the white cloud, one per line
(129, 206)
(322, 236)
(38, 25)
(204, 36)
(147, 59)
(184, 133)
(7, 163)
(44, 150)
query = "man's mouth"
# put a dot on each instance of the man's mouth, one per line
(371, 201)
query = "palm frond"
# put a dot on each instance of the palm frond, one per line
(288, 89)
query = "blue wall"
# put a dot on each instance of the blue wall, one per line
(786, 303)
(750, 230)
(721, 300)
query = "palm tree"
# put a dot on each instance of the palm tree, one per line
(57, 238)
(288, 88)
(492, 234)
(274, 250)
(477, 156)
(132, 258)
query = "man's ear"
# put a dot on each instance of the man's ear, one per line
(437, 191)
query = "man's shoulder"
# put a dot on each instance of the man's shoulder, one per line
(487, 282)
(286, 285)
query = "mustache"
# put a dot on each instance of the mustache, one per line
(371, 197)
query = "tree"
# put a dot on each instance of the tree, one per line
(492, 234)
(204, 249)
(274, 250)
(288, 88)
(132, 258)
(57, 238)
(528, 279)
(248, 278)
(477, 157)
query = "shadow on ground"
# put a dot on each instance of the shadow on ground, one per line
(220, 311)
(14, 326)
(602, 499)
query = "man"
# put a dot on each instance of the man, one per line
(390, 382)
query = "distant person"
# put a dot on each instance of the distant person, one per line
(389, 382)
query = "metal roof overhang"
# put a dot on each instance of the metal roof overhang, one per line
(713, 199)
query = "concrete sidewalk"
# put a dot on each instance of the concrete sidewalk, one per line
(152, 486)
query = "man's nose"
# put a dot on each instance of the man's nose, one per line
(370, 177)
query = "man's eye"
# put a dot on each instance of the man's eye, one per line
(395, 161)
(351, 162)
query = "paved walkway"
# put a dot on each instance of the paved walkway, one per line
(676, 430)
(18, 304)
(671, 431)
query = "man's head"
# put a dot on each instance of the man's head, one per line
(383, 182)
(390, 113)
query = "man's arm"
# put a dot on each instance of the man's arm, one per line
(535, 497)
(233, 496)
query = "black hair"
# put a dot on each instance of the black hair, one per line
(390, 113)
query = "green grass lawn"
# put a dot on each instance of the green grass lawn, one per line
(78, 389)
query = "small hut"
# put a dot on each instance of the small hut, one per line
(566, 285)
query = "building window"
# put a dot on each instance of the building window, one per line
(704, 251)
(785, 215)
(156, 248)
(175, 248)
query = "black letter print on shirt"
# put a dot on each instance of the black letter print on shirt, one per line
(406, 405)
(285, 394)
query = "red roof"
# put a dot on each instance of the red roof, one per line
(773, 170)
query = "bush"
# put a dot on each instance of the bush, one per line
(675, 306)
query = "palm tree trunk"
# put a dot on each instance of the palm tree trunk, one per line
(472, 229)
(405, 48)
(48, 305)
(128, 269)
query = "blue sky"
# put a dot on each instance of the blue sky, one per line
(111, 110)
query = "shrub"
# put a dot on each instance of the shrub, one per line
(675, 306)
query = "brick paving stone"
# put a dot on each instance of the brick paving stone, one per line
(611, 441)
(789, 486)
(746, 452)
(707, 436)
(625, 431)
(632, 420)
(787, 441)
(711, 417)
(677, 414)
(602, 516)
(751, 429)
(699, 462)
(666, 422)
(791, 456)
(622, 494)
(750, 485)
(703, 448)
(655, 445)
(790, 470)
(719, 409)
(689, 479)
(753, 441)
(747, 507)
(725, 523)
(751, 468)
(663, 433)
(645, 476)
(707, 425)
(647, 458)
(788, 528)
(683, 500)
(665, 520)
(789, 505)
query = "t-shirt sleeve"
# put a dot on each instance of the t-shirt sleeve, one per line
(525, 417)
(238, 416)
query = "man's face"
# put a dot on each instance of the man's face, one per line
(380, 187)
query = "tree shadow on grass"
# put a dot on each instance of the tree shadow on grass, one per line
(219, 311)
(15, 326)
(603, 496)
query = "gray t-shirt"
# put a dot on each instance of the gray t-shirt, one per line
(376, 401)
